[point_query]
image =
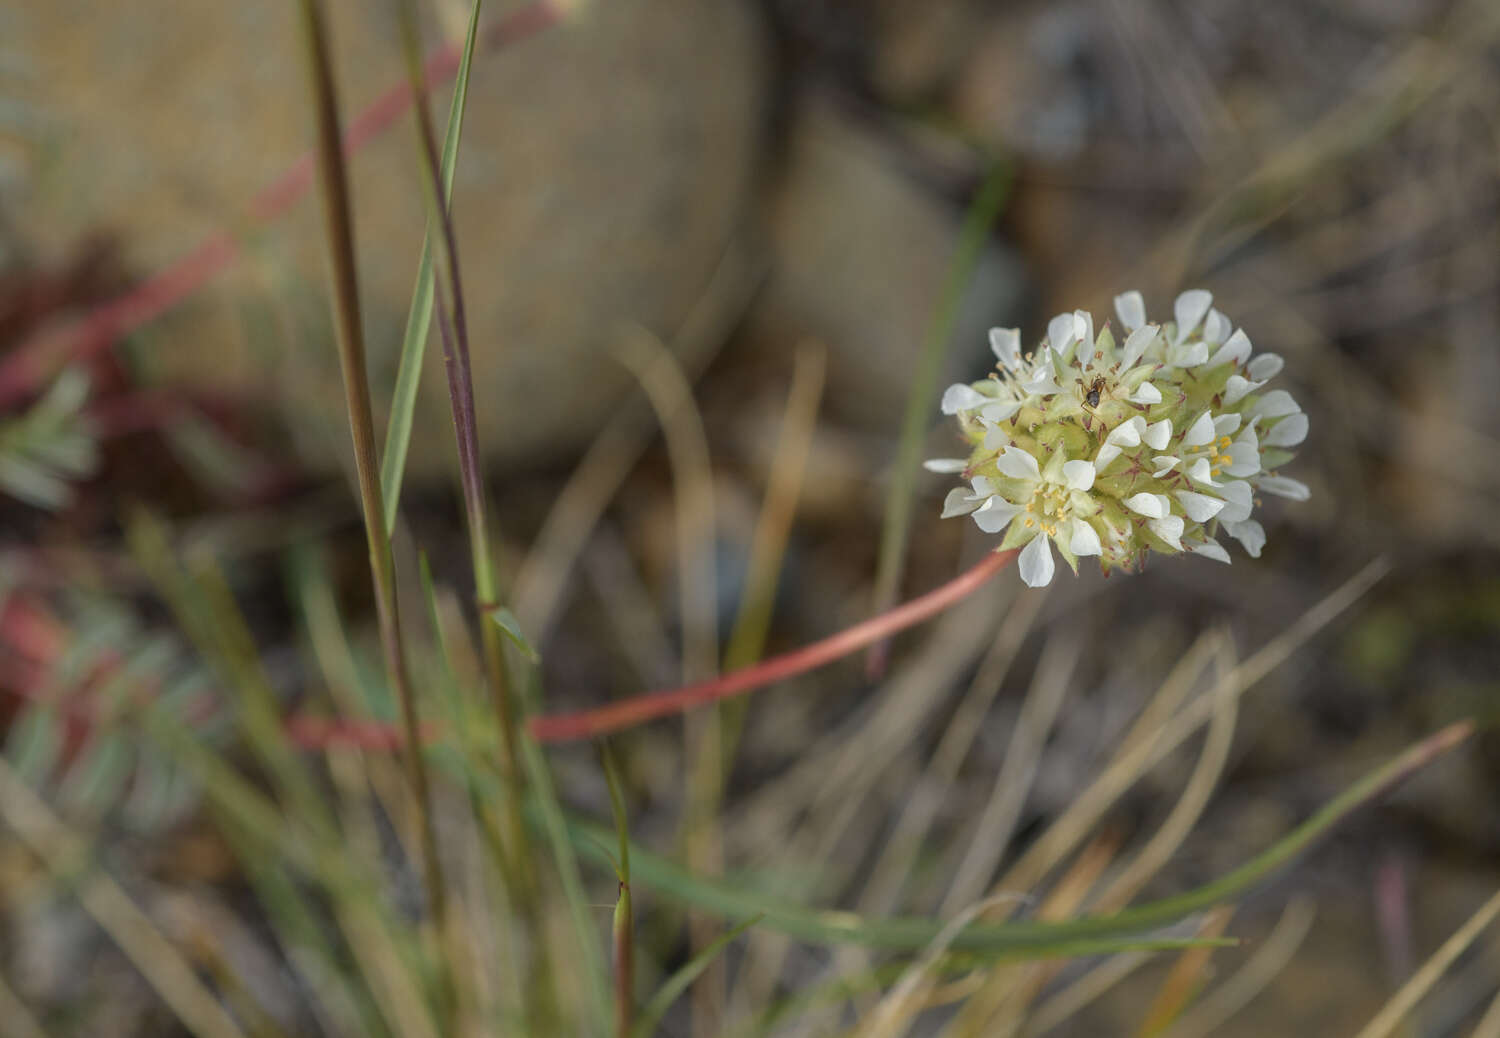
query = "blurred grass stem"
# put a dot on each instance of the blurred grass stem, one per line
(339, 233)
(896, 527)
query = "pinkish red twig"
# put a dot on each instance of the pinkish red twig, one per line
(34, 636)
(601, 720)
(23, 371)
(636, 710)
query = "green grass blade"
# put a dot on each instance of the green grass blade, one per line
(419, 317)
(1097, 935)
(560, 834)
(923, 397)
(679, 982)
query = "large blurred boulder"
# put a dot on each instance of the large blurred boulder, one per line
(607, 164)
(862, 249)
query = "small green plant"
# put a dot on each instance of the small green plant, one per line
(50, 447)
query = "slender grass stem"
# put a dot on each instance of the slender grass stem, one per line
(339, 231)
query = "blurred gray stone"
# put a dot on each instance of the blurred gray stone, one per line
(862, 250)
(607, 164)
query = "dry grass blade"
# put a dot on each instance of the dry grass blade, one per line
(1221, 1004)
(693, 496)
(16, 1021)
(999, 1005)
(1062, 1006)
(1489, 1025)
(1200, 786)
(993, 831)
(1086, 810)
(1402, 1002)
(1184, 979)
(157, 959)
(881, 893)
(910, 995)
(542, 575)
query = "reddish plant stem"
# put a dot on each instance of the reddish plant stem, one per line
(316, 733)
(637, 709)
(34, 360)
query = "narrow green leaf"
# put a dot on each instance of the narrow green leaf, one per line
(419, 317)
(923, 394)
(507, 622)
(679, 982)
(1030, 939)
(559, 834)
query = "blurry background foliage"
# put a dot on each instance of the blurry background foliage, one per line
(810, 211)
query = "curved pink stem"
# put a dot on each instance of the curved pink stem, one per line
(637, 709)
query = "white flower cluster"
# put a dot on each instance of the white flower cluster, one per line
(1114, 449)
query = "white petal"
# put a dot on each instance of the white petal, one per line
(1127, 433)
(1006, 342)
(958, 502)
(1146, 394)
(983, 488)
(1236, 350)
(1079, 474)
(1190, 309)
(1149, 505)
(1200, 432)
(1238, 498)
(1042, 385)
(959, 397)
(995, 436)
(1156, 436)
(1238, 387)
(1200, 508)
(1188, 354)
(1000, 410)
(1169, 528)
(1288, 432)
(1244, 460)
(1210, 549)
(1018, 464)
(1266, 366)
(1136, 345)
(1276, 403)
(1036, 561)
(1283, 487)
(1164, 463)
(1107, 453)
(1062, 332)
(1201, 472)
(995, 514)
(1083, 326)
(946, 464)
(1216, 328)
(1085, 539)
(1250, 535)
(1226, 424)
(1131, 309)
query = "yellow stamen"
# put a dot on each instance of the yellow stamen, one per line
(1030, 523)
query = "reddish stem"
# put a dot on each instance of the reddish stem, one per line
(315, 733)
(637, 709)
(34, 360)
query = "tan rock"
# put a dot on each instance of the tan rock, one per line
(607, 164)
